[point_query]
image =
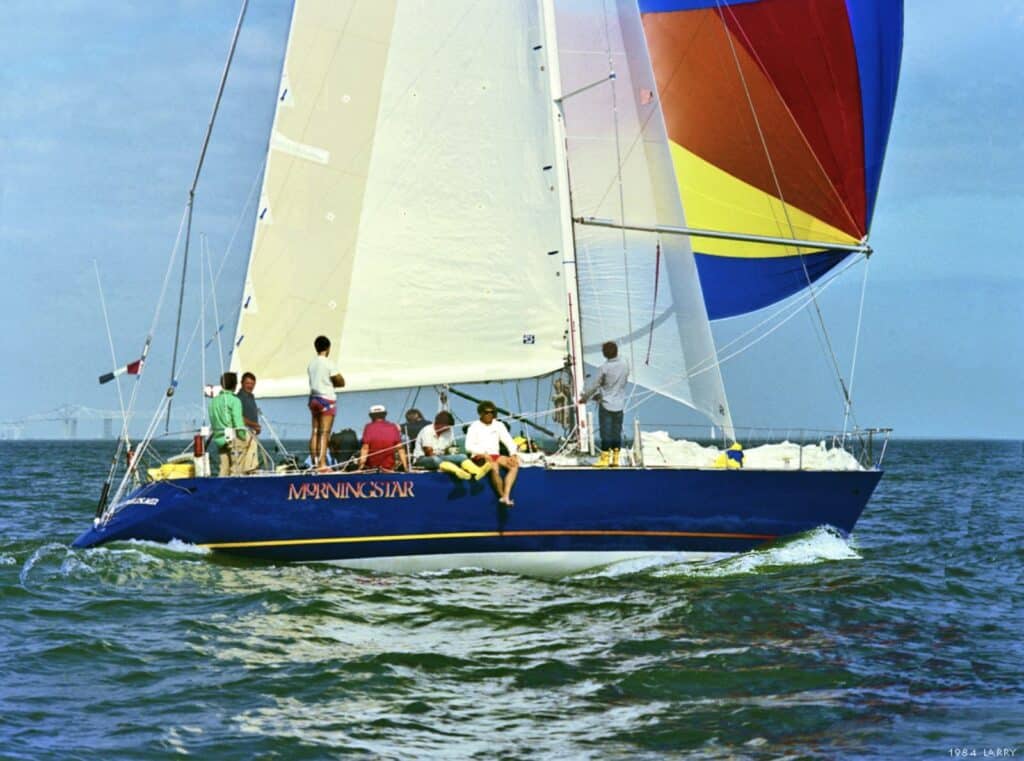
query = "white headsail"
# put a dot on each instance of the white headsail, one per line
(409, 209)
(637, 289)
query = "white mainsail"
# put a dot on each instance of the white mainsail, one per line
(635, 288)
(409, 209)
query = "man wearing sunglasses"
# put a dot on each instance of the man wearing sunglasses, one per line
(483, 440)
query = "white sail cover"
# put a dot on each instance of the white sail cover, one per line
(638, 289)
(409, 210)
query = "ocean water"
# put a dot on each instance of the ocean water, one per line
(903, 642)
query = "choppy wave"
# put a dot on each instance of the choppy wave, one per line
(900, 642)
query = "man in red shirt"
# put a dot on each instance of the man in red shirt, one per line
(381, 442)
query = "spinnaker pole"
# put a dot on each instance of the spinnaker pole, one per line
(511, 415)
(857, 248)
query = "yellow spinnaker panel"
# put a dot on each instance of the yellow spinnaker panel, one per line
(716, 200)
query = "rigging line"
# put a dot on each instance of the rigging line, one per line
(155, 321)
(712, 362)
(216, 310)
(196, 328)
(661, 389)
(782, 197)
(536, 393)
(757, 122)
(202, 311)
(838, 198)
(192, 197)
(281, 448)
(793, 305)
(654, 301)
(113, 354)
(240, 219)
(227, 255)
(215, 278)
(167, 274)
(796, 304)
(156, 313)
(220, 93)
(192, 338)
(823, 347)
(147, 437)
(181, 301)
(618, 175)
(505, 395)
(856, 345)
(752, 343)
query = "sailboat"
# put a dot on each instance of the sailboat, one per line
(464, 192)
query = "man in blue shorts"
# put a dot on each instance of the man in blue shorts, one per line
(324, 377)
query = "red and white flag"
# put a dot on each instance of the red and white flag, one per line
(132, 368)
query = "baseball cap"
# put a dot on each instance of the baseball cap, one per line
(374, 408)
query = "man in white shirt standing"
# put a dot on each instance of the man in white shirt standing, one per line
(482, 443)
(324, 377)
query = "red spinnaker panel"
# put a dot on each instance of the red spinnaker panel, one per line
(741, 93)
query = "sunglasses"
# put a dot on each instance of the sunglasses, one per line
(489, 412)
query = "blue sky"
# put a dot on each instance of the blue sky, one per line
(103, 108)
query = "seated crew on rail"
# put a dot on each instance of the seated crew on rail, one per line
(483, 442)
(435, 449)
(343, 448)
(382, 440)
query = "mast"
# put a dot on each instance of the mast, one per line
(172, 384)
(572, 291)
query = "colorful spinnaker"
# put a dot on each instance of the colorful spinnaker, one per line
(778, 114)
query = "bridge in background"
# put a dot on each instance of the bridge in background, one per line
(64, 421)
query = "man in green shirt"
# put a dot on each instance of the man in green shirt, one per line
(229, 431)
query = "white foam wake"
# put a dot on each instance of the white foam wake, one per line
(817, 546)
(174, 547)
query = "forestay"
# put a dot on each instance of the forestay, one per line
(409, 209)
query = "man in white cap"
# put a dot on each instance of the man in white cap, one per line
(381, 442)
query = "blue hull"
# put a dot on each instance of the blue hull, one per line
(369, 515)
